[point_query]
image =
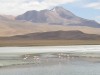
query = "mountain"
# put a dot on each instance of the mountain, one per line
(11, 27)
(3, 18)
(56, 16)
(56, 19)
(55, 35)
(10, 17)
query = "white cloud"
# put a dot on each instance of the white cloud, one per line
(95, 5)
(57, 2)
(97, 18)
(15, 7)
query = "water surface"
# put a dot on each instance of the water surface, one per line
(53, 66)
(64, 67)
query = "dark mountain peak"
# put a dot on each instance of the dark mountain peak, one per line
(58, 8)
(45, 10)
(57, 35)
(62, 10)
(57, 16)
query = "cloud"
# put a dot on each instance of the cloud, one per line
(94, 5)
(15, 7)
(97, 18)
(57, 2)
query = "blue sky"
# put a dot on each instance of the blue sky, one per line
(89, 9)
(82, 9)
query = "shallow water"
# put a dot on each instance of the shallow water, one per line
(68, 67)
(55, 66)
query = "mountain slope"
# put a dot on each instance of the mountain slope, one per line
(56, 35)
(55, 19)
(13, 27)
(58, 16)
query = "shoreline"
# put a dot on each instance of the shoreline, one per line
(23, 43)
(45, 49)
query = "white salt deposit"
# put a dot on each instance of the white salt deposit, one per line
(39, 49)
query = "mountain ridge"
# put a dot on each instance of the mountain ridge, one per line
(55, 35)
(58, 16)
(54, 19)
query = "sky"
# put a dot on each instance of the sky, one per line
(88, 9)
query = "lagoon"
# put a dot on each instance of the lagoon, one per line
(74, 60)
(68, 67)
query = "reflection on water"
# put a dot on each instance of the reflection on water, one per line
(55, 66)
